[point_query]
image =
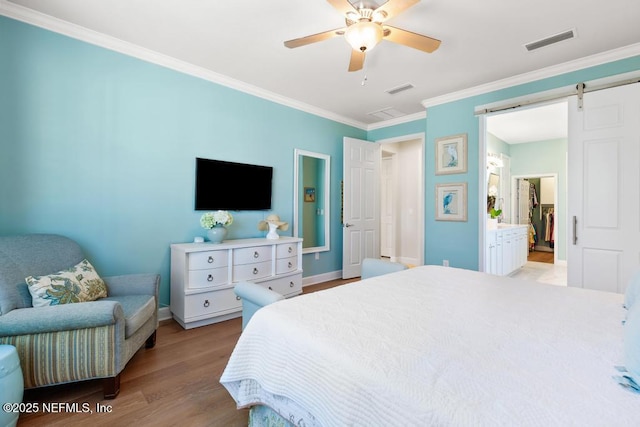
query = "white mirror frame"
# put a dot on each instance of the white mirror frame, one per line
(326, 198)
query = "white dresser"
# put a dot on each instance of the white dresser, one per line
(203, 275)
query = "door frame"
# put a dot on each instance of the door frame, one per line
(514, 186)
(527, 102)
(421, 190)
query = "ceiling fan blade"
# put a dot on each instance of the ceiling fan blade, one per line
(394, 7)
(357, 60)
(414, 40)
(314, 38)
(343, 6)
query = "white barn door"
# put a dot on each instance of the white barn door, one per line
(604, 193)
(361, 205)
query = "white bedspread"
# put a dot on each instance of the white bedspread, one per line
(440, 346)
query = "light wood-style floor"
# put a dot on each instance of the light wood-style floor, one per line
(175, 383)
(540, 256)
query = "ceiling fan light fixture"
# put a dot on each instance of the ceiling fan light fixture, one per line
(364, 35)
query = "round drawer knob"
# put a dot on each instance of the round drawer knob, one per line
(291, 284)
(210, 260)
(238, 298)
(255, 271)
(256, 254)
(209, 278)
(290, 249)
(270, 288)
(290, 264)
(206, 303)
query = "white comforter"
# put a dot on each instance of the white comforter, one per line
(440, 346)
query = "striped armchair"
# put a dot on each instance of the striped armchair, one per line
(72, 342)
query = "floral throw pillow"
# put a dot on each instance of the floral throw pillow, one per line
(79, 283)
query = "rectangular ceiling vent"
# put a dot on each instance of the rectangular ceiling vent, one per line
(387, 113)
(566, 35)
(399, 89)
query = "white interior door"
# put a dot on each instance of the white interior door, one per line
(603, 176)
(523, 201)
(361, 205)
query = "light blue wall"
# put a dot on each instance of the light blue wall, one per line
(496, 145)
(101, 147)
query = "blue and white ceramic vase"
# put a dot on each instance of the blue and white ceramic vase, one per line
(217, 234)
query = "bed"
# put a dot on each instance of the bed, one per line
(436, 346)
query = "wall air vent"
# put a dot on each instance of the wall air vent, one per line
(398, 89)
(387, 113)
(566, 35)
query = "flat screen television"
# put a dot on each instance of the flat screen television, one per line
(232, 186)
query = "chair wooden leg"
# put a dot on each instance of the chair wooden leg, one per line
(151, 341)
(111, 387)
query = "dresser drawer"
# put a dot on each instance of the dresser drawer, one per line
(251, 271)
(209, 259)
(285, 285)
(196, 305)
(286, 250)
(207, 278)
(286, 265)
(252, 255)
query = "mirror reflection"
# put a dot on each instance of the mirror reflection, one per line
(311, 200)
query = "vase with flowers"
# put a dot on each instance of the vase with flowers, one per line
(215, 223)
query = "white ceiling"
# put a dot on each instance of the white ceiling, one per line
(533, 124)
(241, 41)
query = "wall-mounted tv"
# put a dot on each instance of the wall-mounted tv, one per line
(232, 186)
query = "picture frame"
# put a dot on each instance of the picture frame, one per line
(309, 194)
(451, 154)
(451, 202)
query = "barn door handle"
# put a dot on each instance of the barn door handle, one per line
(575, 229)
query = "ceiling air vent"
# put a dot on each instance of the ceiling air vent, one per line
(399, 89)
(566, 35)
(387, 113)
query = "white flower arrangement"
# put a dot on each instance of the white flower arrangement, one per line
(211, 219)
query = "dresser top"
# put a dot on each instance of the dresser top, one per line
(231, 244)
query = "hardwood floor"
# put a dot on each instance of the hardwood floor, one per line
(174, 383)
(540, 256)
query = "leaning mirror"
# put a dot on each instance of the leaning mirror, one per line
(311, 200)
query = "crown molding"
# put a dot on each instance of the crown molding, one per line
(47, 22)
(543, 73)
(397, 121)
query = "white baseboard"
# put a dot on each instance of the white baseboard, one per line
(164, 313)
(320, 278)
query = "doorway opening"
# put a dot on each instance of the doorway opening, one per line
(530, 145)
(402, 199)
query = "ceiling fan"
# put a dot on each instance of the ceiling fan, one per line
(365, 29)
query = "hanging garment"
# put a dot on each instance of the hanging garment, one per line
(549, 228)
(533, 196)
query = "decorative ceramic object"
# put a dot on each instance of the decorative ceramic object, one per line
(273, 223)
(214, 223)
(217, 234)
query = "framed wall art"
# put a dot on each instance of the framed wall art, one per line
(309, 194)
(451, 201)
(451, 154)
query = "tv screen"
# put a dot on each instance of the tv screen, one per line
(232, 186)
